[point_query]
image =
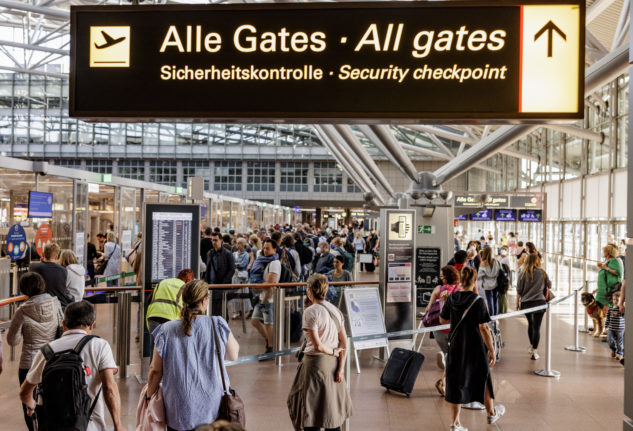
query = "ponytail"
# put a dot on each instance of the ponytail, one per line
(193, 293)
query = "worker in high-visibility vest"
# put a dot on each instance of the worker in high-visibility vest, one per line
(166, 301)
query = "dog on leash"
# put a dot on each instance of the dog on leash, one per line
(595, 312)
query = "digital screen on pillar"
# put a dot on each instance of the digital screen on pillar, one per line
(505, 215)
(172, 240)
(534, 216)
(483, 215)
(40, 205)
(328, 62)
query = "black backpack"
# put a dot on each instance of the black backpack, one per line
(503, 279)
(305, 255)
(64, 392)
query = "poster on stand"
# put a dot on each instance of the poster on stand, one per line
(79, 245)
(364, 314)
(16, 242)
(43, 237)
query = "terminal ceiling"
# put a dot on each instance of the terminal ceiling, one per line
(34, 40)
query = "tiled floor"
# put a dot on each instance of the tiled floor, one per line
(588, 396)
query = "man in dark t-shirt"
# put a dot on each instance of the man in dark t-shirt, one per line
(206, 244)
(54, 275)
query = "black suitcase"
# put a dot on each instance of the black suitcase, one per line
(402, 370)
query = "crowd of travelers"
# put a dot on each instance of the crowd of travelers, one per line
(187, 376)
(474, 286)
(188, 387)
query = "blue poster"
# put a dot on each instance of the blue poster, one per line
(16, 242)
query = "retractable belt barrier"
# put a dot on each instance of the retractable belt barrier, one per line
(294, 350)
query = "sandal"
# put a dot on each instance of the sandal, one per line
(439, 385)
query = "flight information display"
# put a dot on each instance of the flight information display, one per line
(171, 244)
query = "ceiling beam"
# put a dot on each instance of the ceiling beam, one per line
(50, 12)
(29, 46)
(601, 73)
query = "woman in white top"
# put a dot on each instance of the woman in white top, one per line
(319, 397)
(76, 278)
(112, 252)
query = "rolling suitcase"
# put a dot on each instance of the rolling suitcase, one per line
(401, 370)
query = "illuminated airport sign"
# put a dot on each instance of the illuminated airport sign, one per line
(329, 62)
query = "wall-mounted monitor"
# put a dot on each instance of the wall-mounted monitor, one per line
(505, 215)
(483, 215)
(532, 216)
(462, 217)
(40, 204)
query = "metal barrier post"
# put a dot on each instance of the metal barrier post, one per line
(123, 332)
(348, 375)
(548, 372)
(278, 322)
(576, 347)
(557, 271)
(569, 278)
(11, 314)
(586, 318)
(224, 305)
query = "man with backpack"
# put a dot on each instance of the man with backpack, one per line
(262, 318)
(74, 375)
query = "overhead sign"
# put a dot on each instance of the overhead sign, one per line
(474, 201)
(526, 202)
(328, 62)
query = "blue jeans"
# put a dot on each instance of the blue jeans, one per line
(492, 298)
(616, 341)
(112, 283)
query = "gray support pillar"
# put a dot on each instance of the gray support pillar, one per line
(628, 341)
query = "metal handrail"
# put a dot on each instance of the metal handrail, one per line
(571, 257)
(20, 298)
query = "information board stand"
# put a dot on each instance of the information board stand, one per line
(171, 243)
(364, 315)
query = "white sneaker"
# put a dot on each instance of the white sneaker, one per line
(499, 411)
(535, 355)
(441, 361)
(458, 428)
(475, 405)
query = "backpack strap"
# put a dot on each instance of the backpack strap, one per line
(336, 322)
(47, 352)
(80, 345)
(78, 348)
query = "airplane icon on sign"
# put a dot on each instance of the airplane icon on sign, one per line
(109, 41)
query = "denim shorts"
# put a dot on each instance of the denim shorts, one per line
(263, 312)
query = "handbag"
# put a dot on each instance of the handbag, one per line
(547, 291)
(610, 291)
(432, 317)
(103, 264)
(231, 405)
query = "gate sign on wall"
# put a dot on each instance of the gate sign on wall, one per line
(329, 62)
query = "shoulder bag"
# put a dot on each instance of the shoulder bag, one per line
(102, 265)
(610, 290)
(231, 405)
(547, 290)
(452, 334)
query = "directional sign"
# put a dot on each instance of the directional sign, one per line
(329, 62)
(550, 38)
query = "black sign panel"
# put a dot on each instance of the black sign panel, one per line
(527, 202)
(317, 62)
(474, 201)
(427, 270)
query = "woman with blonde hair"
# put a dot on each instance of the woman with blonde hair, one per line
(531, 293)
(609, 276)
(319, 397)
(487, 279)
(111, 253)
(186, 363)
(470, 351)
(76, 277)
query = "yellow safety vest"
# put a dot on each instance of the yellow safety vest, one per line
(166, 300)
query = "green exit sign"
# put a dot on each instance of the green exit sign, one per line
(426, 229)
